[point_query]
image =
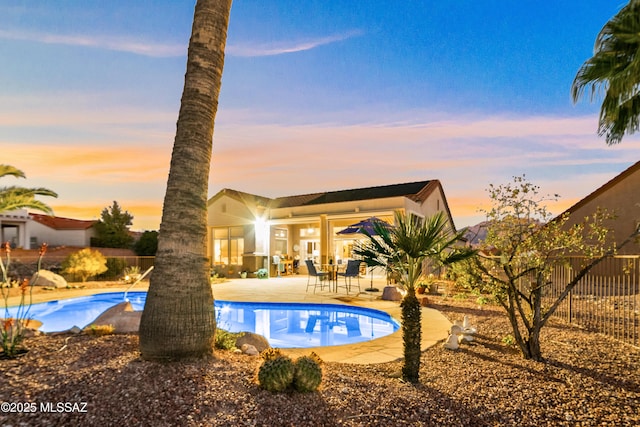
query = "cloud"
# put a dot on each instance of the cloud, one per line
(281, 48)
(144, 48)
(126, 156)
(105, 163)
(169, 50)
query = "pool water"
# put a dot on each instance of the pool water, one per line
(284, 325)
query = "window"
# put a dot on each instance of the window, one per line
(280, 236)
(228, 245)
(415, 219)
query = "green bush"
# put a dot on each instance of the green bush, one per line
(226, 340)
(147, 245)
(115, 267)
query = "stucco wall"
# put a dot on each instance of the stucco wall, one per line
(54, 237)
(623, 199)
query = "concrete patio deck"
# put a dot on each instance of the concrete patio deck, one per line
(435, 325)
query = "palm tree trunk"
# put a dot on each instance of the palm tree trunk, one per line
(178, 319)
(411, 336)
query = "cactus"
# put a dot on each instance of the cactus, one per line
(276, 373)
(308, 373)
(270, 353)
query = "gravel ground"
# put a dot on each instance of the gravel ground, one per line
(587, 380)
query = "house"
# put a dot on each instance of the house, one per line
(620, 196)
(29, 230)
(247, 230)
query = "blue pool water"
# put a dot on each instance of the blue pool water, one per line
(285, 325)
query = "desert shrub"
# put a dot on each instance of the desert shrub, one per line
(226, 340)
(84, 264)
(99, 330)
(115, 267)
(131, 274)
(147, 245)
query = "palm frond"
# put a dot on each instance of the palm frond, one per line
(6, 170)
(614, 71)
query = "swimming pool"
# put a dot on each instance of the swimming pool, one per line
(284, 325)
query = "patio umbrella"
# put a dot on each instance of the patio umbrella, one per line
(366, 225)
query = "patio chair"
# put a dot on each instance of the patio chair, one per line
(320, 276)
(352, 270)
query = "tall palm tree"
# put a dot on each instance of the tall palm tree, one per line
(178, 319)
(403, 249)
(12, 198)
(615, 69)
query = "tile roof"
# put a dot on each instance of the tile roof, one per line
(59, 223)
(241, 196)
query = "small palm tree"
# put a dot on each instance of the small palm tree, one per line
(615, 68)
(403, 250)
(12, 198)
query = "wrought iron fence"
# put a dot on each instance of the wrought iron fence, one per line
(606, 300)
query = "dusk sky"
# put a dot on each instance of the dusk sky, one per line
(316, 96)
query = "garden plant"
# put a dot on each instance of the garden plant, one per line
(13, 326)
(524, 244)
(403, 250)
(85, 263)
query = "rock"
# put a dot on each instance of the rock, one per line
(250, 350)
(28, 333)
(257, 341)
(49, 279)
(121, 316)
(424, 302)
(391, 293)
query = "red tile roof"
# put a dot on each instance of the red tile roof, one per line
(59, 223)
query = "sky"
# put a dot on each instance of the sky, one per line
(316, 96)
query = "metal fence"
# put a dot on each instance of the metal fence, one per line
(25, 267)
(606, 300)
(143, 262)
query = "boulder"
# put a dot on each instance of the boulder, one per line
(391, 293)
(258, 341)
(249, 350)
(121, 316)
(49, 279)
